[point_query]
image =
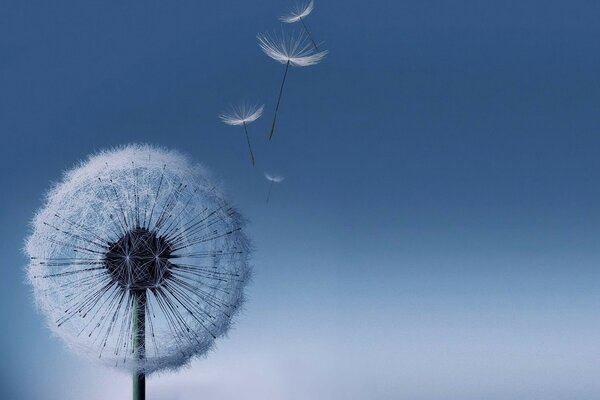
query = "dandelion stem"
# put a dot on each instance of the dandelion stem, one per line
(138, 314)
(287, 66)
(269, 194)
(249, 146)
(309, 34)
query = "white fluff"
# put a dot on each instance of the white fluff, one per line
(300, 11)
(295, 49)
(242, 114)
(274, 178)
(89, 208)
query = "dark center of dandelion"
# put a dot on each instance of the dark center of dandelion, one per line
(139, 259)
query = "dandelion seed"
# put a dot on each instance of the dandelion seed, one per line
(299, 13)
(292, 50)
(243, 115)
(138, 260)
(273, 179)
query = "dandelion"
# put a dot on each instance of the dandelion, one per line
(243, 115)
(138, 260)
(273, 179)
(292, 50)
(299, 13)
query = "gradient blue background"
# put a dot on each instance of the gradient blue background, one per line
(437, 233)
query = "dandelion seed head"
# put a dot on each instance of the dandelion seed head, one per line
(295, 49)
(301, 10)
(242, 114)
(138, 222)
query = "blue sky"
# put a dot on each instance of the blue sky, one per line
(436, 234)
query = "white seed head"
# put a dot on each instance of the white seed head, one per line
(242, 114)
(301, 10)
(138, 233)
(296, 49)
(274, 178)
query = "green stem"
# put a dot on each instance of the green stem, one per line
(269, 194)
(139, 341)
(287, 66)
(309, 35)
(249, 147)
